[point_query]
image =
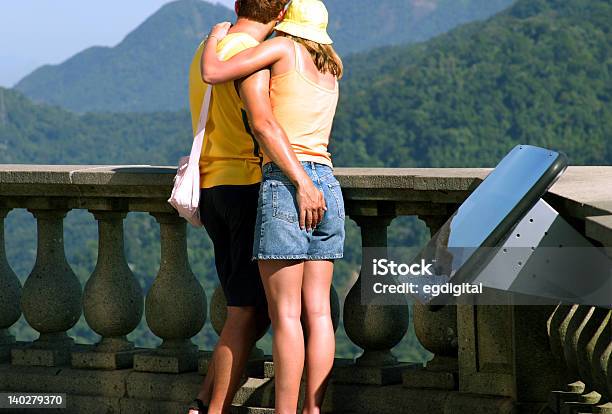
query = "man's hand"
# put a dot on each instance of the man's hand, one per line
(311, 204)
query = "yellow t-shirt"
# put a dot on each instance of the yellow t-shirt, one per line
(230, 153)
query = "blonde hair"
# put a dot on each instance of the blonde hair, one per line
(324, 56)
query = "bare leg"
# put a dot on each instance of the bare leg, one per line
(320, 344)
(229, 359)
(282, 281)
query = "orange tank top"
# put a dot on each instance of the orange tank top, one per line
(305, 110)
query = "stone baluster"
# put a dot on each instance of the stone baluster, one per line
(571, 351)
(574, 328)
(601, 346)
(557, 330)
(562, 327)
(175, 306)
(437, 331)
(374, 328)
(10, 294)
(112, 300)
(51, 299)
(585, 350)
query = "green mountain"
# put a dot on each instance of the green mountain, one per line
(148, 70)
(537, 73)
(361, 25)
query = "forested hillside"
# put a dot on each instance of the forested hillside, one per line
(148, 70)
(539, 73)
(44, 134)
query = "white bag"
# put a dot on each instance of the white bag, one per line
(185, 196)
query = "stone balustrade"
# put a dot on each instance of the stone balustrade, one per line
(581, 341)
(489, 359)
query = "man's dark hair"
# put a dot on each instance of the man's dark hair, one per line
(261, 11)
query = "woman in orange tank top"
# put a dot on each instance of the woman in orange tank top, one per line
(296, 265)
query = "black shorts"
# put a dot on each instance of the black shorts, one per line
(229, 213)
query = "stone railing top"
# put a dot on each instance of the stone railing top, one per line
(582, 192)
(454, 179)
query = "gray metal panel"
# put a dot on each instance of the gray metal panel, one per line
(546, 257)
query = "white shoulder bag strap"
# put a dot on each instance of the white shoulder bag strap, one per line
(196, 149)
(185, 196)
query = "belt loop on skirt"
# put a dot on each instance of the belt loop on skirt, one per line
(315, 173)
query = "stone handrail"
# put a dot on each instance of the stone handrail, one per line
(52, 299)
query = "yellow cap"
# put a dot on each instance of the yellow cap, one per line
(306, 19)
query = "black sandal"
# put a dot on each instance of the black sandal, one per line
(199, 406)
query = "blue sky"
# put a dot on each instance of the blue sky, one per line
(37, 32)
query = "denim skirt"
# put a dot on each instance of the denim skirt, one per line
(278, 235)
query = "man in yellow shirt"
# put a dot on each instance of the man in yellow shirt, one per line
(240, 125)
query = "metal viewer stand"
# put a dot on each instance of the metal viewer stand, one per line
(507, 238)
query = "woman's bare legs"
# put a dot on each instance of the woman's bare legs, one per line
(320, 342)
(282, 281)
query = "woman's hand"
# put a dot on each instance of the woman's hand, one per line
(220, 30)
